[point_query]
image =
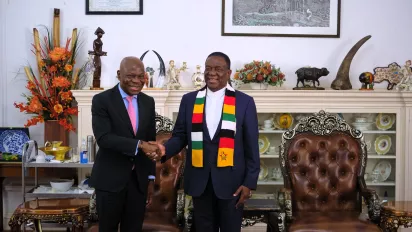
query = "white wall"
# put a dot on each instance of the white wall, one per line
(188, 30)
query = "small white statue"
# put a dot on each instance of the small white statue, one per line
(406, 81)
(88, 73)
(198, 78)
(173, 73)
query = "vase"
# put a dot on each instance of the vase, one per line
(53, 131)
(258, 85)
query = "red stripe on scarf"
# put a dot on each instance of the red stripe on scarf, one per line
(226, 143)
(229, 100)
(197, 118)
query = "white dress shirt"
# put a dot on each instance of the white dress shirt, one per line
(214, 107)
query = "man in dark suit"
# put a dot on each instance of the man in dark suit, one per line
(123, 120)
(220, 127)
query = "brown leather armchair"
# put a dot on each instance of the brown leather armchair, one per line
(167, 211)
(323, 163)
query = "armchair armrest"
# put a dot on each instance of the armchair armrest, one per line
(276, 221)
(184, 210)
(285, 202)
(279, 219)
(371, 200)
(92, 208)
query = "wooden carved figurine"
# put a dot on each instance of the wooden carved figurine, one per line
(97, 53)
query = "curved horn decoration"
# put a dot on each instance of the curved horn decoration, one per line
(142, 57)
(342, 81)
(162, 67)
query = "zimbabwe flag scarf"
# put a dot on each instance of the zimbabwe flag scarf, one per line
(226, 134)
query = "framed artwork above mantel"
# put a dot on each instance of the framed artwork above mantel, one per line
(114, 7)
(281, 18)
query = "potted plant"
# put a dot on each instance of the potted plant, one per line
(260, 74)
(50, 99)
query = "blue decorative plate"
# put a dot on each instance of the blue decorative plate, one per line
(12, 140)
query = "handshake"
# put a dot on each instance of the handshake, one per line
(153, 150)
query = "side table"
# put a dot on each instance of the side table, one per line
(257, 211)
(395, 214)
(57, 210)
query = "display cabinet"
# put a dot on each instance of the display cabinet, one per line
(380, 135)
(383, 116)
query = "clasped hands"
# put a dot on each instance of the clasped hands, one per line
(153, 150)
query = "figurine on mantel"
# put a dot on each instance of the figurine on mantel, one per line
(149, 73)
(173, 75)
(367, 79)
(310, 74)
(97, 52)
(406, 81)
(198, 78)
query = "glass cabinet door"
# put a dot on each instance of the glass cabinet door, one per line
(271, 127)
(380, 135)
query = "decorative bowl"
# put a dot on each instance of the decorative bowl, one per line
(58, 153)
(61, 185)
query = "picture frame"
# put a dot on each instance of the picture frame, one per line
(114, 7)
(291, 18)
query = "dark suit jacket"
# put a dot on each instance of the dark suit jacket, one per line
(117, 143)
(225, 180)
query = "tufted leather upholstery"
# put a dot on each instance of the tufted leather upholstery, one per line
(323, 172)
(331, 221)
(323, 162)
(161, 215)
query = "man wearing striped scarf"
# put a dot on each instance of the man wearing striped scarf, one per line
(220, 127)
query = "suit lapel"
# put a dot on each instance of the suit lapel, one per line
(121, 108)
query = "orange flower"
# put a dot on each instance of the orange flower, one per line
(68, 67)
(236, 77)
(35, 105)
(58, 108)
(30, 85)
(57, 54)
(61, 82)
(71, 111)
(52, 68)
(66, 96)
(34, 121)
(249, 77)
(41, 63)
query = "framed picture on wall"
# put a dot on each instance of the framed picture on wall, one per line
(281, 18)
(114, 7)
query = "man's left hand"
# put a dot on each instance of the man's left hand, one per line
(150, 190)
(245, 193)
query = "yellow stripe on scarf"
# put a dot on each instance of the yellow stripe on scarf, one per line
(228, 109)
(225, 157)
(198, 109)
(197, 158)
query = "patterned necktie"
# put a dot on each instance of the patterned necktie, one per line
(132, 112)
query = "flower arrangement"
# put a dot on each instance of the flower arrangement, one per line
(260, 72)
(50, 97)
